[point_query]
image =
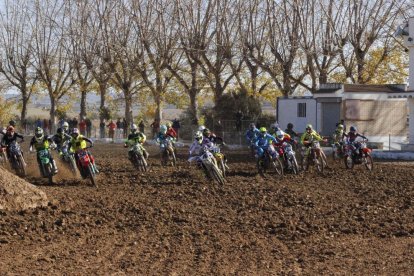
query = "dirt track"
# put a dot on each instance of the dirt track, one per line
(169, 221)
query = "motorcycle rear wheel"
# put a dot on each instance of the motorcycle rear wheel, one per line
(92, 176)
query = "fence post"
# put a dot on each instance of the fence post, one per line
(389, 141)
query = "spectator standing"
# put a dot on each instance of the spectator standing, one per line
(74, 123)
(155, 128)
(39, 123)
(176, 126)
(102, 129)
(118, 128)
(141, 126)
(82, 127)
(112, 128)
(88, 127)
(124, 127)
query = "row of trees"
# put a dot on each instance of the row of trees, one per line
(167, 49)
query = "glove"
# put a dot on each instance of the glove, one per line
(31, 149)
(125, 146)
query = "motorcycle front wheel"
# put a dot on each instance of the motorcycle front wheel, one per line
(349, 163)
(92, 176)
(369, 164)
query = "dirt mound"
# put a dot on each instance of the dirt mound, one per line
(17, 194)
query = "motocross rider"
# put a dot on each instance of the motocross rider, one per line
(352, 135)
(77, 143)
(262, 143)
(136, 138)
(9, 137)
(60, 138)
(41, 142)
(65, 127)
(196, 147)
(307, 137)
(251, 134)
(170, 131)
(338, 134)
(289, 130)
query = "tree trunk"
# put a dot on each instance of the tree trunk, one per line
(23, 114)
(193, 106)
(102, 91)
(128, 109)
(82, 114)
(52, 114)
(218, 90)
(158, 111)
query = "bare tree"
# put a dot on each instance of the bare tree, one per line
(158, 37)
(97, 17)
(52, 62)
(82, 76)
(324, 26)
(16, 40)
(251, 33)
(370, 25)
(128, 54)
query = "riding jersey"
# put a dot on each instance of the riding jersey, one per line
(171, 132)
(42, 144)
(286, 138)
(252, 134)
(353, 135)
(7, 139)
(135, 138)
(60, 138)
(79, 143)
(309, 137)
(264, 140)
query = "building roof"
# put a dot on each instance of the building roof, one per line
(355, 88)
(386, 88)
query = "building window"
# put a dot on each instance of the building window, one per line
(301, 109)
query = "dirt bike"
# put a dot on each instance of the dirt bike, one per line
(358, 154)
(45, 164)
(289, 157)
(67, 156)
(86, 165)
(220, 159)
(137, 157)
(210, 166)
(315, 157)
(338, 150)
(167, 152)
(16, 159)
(266, 164)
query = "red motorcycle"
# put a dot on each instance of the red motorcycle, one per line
(358, 153)
(86, 165)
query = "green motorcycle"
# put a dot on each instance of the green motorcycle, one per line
(45, 165)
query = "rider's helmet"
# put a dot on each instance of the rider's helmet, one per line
(201, 128)
(198, 136)
(59, 130)
(12, 123)
(274, 127)
(340, 126)
(10, 131)
(134, 128)
(353, 129)
(75, 133)
(263, 130)
(163, 129)
(252, 126)
(168, 125)
(39, 135)
(206, 132)
(65, 126)
(309, 128)
(290, 126)
(280, 135)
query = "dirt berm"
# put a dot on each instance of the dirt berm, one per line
(17, 194)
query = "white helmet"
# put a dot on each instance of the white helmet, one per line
(201, 128)
(65, 126)
(280, 134)
(134, 128)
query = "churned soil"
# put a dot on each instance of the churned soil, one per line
(17, 194)
(173, 221)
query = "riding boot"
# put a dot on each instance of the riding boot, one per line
(55, 169)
